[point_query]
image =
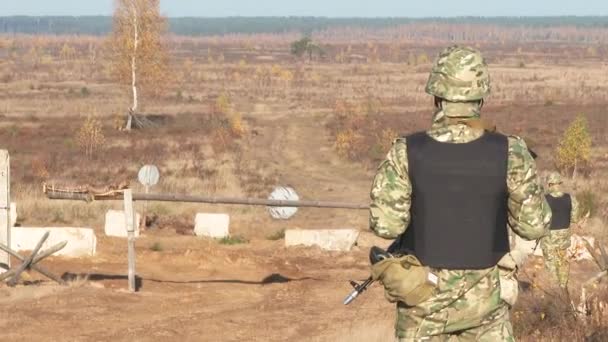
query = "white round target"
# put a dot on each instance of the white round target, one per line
(283, 193)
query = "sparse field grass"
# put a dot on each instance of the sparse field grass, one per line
(233, 240)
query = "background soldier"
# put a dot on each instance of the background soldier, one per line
(451, 191)
(566, 212)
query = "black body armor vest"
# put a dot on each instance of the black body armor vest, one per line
(459, 202)
(561, 207)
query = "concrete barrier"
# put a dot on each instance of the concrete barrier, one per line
(115, 224)
(81, 241)
(212, 225)
(328, 239)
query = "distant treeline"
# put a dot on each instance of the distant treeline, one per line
(100, 25)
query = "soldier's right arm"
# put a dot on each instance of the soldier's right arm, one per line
(529, 212)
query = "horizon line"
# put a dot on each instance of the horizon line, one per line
(322, 17)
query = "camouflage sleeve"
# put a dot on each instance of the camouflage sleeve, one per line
(575, 215)
(529, 212)
(391, 194)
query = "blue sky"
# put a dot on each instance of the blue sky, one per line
(329, 8)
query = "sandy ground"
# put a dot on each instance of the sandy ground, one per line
(197, 290)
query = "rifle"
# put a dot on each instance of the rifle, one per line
(376, 254)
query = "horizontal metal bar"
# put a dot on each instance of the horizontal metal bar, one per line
(211, 200)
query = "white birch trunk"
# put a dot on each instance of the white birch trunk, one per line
(133, 66)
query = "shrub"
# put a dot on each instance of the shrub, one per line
(236, 125)
(223, 104)
(574, 148)
(84, 91)
(90, 136)
(233, 240)
(156, 247)
(587, 202)
(349, 144)
(278, 235)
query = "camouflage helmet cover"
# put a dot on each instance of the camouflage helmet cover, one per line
(554, 178)
(460, 74)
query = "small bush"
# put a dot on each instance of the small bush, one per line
(350, 145)
(223, 104)
(233, 240)
(587, 201)
(157, 247)
(90, 137)
(574, 148)
(236, 125)
(278, 235)
(84, 91)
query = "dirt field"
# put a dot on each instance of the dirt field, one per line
(197, 290)
(281, 128)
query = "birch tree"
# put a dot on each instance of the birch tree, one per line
(139, 57)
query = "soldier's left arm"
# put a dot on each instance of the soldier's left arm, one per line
(529, 212)
(391, 194)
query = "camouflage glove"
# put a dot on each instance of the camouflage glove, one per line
(405, 280)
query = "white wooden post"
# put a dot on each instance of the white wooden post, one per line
(143, 216)
(130, 224)
(5, 209)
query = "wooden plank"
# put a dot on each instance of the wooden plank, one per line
(28, 261)
(130, 224)
(5, 203)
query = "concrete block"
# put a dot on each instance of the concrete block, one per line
(328, 239)
(367, 239)
(13, 213)
(212, 225)
(116, 225)
(81, 241)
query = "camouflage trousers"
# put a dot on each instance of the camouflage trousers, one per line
(496, 328)
(555, 247)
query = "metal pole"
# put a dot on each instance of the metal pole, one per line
(130, 224)
(213, 200)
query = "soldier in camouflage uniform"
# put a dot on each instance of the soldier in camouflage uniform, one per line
(467, 303)
(557, 242)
